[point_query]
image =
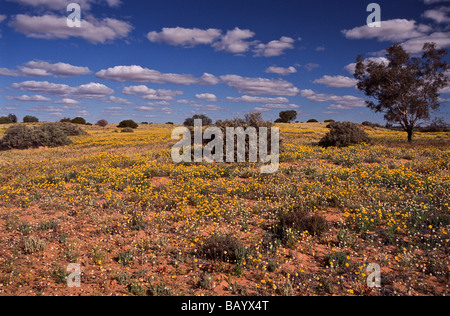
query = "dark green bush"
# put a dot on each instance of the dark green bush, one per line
(5, 120)
(30, 119)
(343, 134)
(24, 137)
(69, 129)
(79, 121)
(312, 121)
(128, 123)
(127, 130)
(205, 120)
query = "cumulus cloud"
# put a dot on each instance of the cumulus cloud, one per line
(151, 94)
(269, 107)
(347, 101)
(206, 97)
(258, 86)
(439, 15)
(185, 37)
(210, 107)
(235, 41)
(390, 30)
(281, 71)
(87, 91)
(55, 27)
(139, 74)
(67, 101)
(379, 60)
(274, 48)
(250, 99)
(27, 98)
(337, 81)
(44, 69)
(113, 99)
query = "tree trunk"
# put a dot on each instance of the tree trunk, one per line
(410, 135)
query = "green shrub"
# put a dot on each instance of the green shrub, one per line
(69, 129)
(5, 120)
(127, 130)
(79, 121)
(128, 123)
(24, 137)
(205, 120)
(312, 121)
(343, 134)
(30, 119)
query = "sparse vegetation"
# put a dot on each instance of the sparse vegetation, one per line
(344, 134)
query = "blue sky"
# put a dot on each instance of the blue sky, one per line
(160, 61)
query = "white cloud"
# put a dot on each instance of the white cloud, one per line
(44, 87)
(235, 41)
(274, 48)
(415, 45)
(113, 99)
(208, 107)
(206, 97)
(380, 60)
(139, 74)
(151, 94)
(185, 37)
(33, 98)
(62, 4)
(58, 69)
(258, 86)
(9, 72)
(439, 15)
(311, 66)
(54, 27)
(390, 30)
(87, 91)
(92, 91)
(347, 101)
(281, 71)
(435, 1)
(269, 107)
(67, 101)
(250, 99)
(337, 81)
(2, 17)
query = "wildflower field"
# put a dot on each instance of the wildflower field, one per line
(138, 224)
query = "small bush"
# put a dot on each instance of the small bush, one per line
(301, 221)
(221, 247)
(47, 135)
(102, 123)
(343, 135)
(127, 130)
(370, 124)
(329, 121)
(312, 121)
(30, 119)
(205, 120)
(69, 129)
(79, 121)
(5, 120)
(128, 123)
(31, 245)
